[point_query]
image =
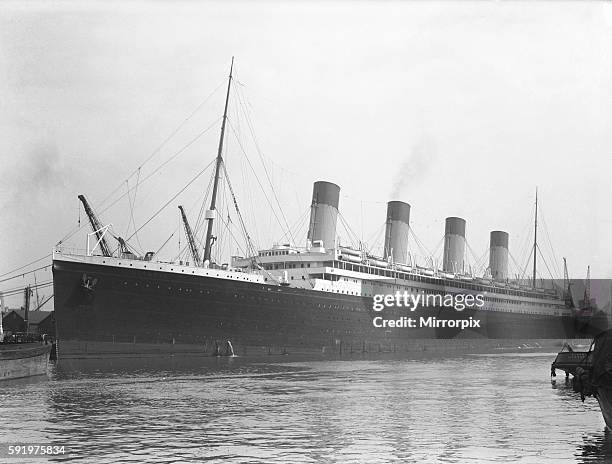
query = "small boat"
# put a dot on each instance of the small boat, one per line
(569, 360)
(23, 354)
(26, 358)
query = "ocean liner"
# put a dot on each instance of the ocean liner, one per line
(287, 299)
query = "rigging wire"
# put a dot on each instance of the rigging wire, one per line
(522, 250)
(478, 261)
(524, 272)
(272, 209)
(375, 235)
(546, 264)
(19, 290)
(199, 221)
(438, 245)
(516, 264)
(261, 157)
(355, 238)
(244, 229)
(164, 244)
(166, 140)
(176, 154)
(376, 242)
(132, 204)
(227, 225)
(245, 190)
(173, 198)
(438, 248)
(26, 265)
(25, 273)
(242, 149)
(549, 241)
(297, 225)
(420, 245)
(260, 267)
(482, 265)
(525, 251)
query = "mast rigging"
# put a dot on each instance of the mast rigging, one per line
(535, 238)
(210, 214)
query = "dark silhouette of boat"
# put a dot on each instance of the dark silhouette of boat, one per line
(591, 371)
(24, 355)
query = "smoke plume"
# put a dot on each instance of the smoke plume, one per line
(415, 168)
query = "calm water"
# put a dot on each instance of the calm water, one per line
(498, 408)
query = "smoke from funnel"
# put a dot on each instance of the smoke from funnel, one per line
(414, 169)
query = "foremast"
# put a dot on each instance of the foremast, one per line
(535, 238)
(210, 214)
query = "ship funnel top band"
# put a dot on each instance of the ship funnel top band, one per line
(398, 211)
(324, 213)
(455, 226)
(326, 193)
(499, 238)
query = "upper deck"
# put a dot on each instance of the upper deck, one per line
(354, 264)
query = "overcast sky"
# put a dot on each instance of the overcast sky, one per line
(458, 108)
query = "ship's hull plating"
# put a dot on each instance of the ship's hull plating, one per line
(134, 311)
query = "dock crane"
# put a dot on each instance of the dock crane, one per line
(96, 226)
(195, 254)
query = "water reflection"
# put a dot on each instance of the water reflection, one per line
(596, 447)
(481, 408)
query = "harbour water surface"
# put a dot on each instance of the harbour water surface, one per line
(486, 408)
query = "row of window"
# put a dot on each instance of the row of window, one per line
(252, 298)
(425, 279)
(275, 267)
(230, 275)
(303, 302)
(274, 253)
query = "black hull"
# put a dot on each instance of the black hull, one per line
(144, 312)
(509, 325)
